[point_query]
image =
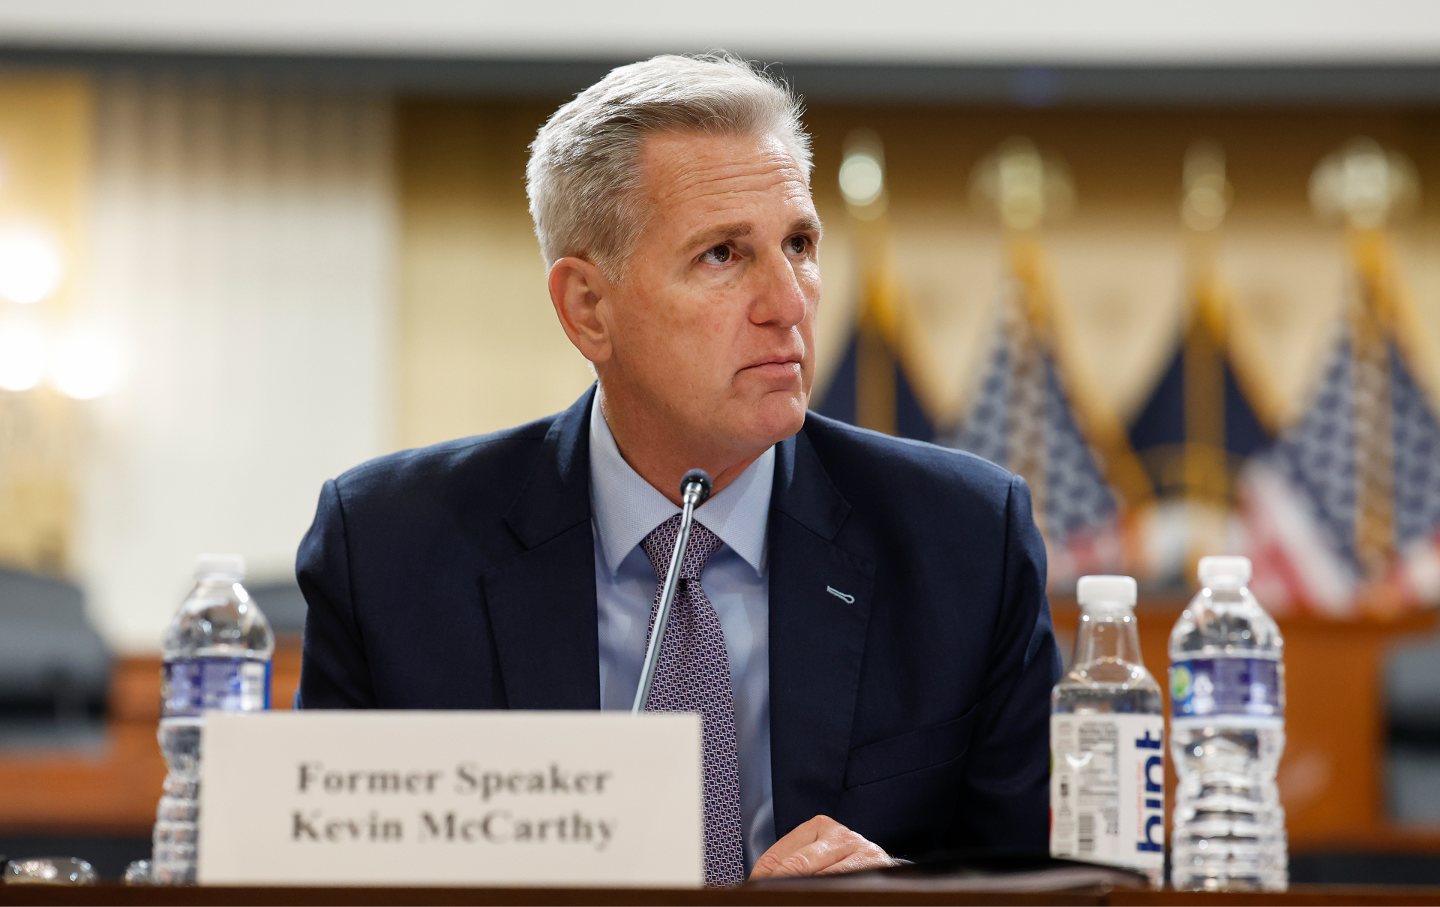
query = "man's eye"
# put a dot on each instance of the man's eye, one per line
(718, 255)
(799, 244)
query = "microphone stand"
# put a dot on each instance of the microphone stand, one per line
(694, 489)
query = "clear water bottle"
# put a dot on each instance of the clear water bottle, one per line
(1107, 732)
(217, 656)
(1227, 726)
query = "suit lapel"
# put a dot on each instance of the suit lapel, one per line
(820, 596)
(542, 602)
(542, 610)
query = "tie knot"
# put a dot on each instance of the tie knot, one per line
(661, 542)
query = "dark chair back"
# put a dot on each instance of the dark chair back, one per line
(54, 665)
(282, 604)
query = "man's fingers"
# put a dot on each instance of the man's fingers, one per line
(820, 845)
(801, 835)
(870, 856)
(817, 856)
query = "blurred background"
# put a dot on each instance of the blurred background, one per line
(1178, 267)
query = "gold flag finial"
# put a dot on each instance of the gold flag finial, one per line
(1207, 191)
(1364, 185)
(862, 175)
(1024, 185)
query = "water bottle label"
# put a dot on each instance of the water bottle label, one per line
(1107, 789)
(1235, 687)
(192, 686)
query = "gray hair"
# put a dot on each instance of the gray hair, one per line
(583, 178)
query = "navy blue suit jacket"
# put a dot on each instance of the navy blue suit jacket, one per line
(462, 576)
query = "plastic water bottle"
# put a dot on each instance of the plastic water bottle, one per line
(1227, 692)
(217, 656)
(1107, 732)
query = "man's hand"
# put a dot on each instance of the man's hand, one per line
(820, 846)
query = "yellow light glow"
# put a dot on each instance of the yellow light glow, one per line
(22, 357)
(86, 366)
(30, 266)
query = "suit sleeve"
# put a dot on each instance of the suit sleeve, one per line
(333, 670)
(1006, 802)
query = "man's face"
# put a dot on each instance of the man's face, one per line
(711, 322)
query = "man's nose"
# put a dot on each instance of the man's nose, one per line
(780, 297)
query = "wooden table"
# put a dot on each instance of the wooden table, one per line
(1331, 777)
(747, 896)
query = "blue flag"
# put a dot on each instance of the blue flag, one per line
(871, 387)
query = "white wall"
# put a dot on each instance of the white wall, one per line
(943, 31)
(241, 245)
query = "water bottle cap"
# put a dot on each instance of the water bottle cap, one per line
(220, 566)
(1224, 572)
(1101, 594)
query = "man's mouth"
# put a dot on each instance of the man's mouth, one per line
(782, 369)
(776, 362)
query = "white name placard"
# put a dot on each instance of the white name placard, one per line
(451, 798)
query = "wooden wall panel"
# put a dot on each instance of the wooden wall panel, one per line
(479, 347)
(45, 162)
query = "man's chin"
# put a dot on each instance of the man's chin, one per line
(775, 420)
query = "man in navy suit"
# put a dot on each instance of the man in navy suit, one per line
(885, 627)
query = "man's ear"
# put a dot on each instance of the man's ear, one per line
(579, 292)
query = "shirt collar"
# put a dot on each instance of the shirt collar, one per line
(626, 507)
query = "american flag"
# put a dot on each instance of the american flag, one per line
(1345, 510)
(871, 387)
(1192, 435)
(1023, 419)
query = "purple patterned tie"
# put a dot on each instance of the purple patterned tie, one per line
(693, 675)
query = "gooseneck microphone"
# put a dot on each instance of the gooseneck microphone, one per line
(694, 489)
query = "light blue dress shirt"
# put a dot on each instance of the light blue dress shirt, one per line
(624, 509)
